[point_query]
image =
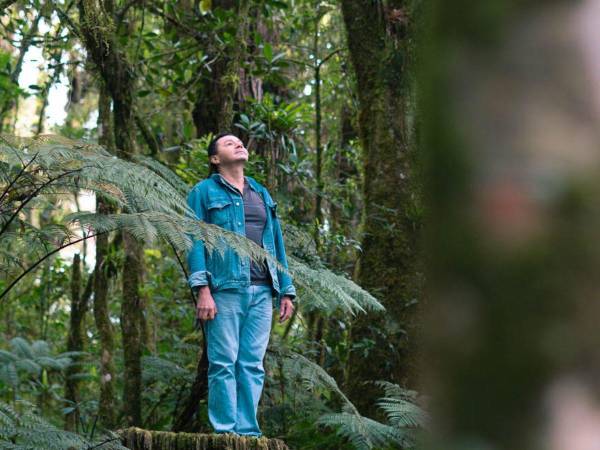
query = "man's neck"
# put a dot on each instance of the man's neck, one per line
(234, 175)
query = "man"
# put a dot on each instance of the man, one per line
(234, 294)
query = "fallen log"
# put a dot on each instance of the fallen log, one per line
(139, 439)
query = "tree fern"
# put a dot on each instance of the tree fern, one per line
(153, 206)
(401, 406)
(157, 369)
(362, 432)
(404, 417)
(21, 428)
(28, 360)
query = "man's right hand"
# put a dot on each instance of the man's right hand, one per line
(206, 309)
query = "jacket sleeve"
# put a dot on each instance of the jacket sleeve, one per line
(286, 286)
(196, 257)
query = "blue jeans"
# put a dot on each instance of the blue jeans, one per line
(237, 341)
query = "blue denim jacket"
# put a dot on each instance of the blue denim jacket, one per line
(216, 201)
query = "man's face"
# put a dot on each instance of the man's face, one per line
(230, 149)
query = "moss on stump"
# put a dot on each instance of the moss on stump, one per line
(140, 439)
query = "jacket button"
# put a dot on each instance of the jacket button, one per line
(237, 203)
(239, 223)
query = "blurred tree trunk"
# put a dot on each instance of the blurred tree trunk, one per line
(97, 24)
(512, 356)
(383, 344)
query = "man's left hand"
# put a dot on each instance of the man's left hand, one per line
(285, 309)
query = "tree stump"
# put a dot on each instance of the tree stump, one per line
(140, 439)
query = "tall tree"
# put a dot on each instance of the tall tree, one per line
(214, 109)
(376, 34)
(79, 304)
(99, 26)
(106, 406)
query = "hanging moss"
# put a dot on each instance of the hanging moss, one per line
(139, 439)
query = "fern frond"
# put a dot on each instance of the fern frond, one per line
(365, 433)
(22, 428)
(401, 406)
(312, 376)
(327, 291)
(21, 348)
(9, 375)
(160, 369)
(163, 171)
(401, 413)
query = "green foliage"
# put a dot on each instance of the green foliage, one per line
(401, 406)
(270, 121)
(32, 362)
(404, 417)
(8, 88)
(21, 428)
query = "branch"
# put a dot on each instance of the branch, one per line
(120, 15)
(147, 135)
(329, 56)
(33, 194)
(33, 266)
(25, 166)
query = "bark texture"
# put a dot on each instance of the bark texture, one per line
(79, 302)
(388, 262)
(99, 31)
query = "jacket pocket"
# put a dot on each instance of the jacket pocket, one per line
(219, 211)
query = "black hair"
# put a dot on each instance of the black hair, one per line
(212, 150)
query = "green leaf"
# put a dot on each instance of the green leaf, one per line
(268, 51)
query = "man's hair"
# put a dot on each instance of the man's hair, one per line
(212, 150)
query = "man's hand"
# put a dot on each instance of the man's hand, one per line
(206, 308)
(285, 309)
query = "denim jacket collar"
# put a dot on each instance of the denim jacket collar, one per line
(220, 178)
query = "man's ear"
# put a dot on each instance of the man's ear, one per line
(214, 159)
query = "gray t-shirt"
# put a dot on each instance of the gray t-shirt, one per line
(255, 220)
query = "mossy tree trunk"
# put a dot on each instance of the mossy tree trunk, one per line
(99, 30)
(106, 407)
(75, 340)
(214, 108)
(384, 344)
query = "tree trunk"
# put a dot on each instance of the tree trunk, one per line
(106, 406)
(25, 43)
(512, 353)
(79, 304)
(214, 111)
(187, 420)
(99, 32)
(388, 262)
